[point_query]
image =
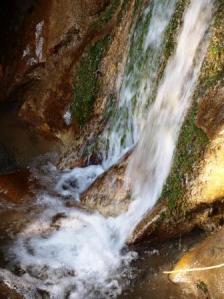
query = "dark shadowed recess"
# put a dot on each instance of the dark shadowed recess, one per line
(19, 145)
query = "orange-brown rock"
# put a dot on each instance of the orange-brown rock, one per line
(52, 38)
(193, 270)
(110, 70)
(54, 34)
(109, 194)
(211, 111)
(16, 187)
(38, 70)
(8, 293)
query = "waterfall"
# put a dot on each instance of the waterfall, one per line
(136, 93)
(139, 84)
(151, 162)
(70, 253)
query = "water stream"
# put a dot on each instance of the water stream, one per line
(70, 253)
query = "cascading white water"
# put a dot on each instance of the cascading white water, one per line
(72, 254)
(136, 92)
(151, 162)
(139, 83)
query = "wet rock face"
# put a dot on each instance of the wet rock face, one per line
(96, 86)
(109, 194)
(202, 283)
(50, 41)
(194, 189)
(12, 14)
(58, 68)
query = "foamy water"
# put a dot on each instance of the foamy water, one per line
(69, 253)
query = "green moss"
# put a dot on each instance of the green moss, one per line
(193, 141)
(106, 15)
(86, 81)
(174, 27)
(190, 147)
(110, 107)
(139, 64)
(213, 68)
(138, 4)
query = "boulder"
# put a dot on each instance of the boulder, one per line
(205, 261)
(109, 194)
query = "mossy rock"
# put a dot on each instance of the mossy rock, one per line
(106, 15)
(86, 81)
(193, 142)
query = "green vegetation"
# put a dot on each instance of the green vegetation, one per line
(174, 27)
(190, 147)
(86, 81)
(138, 4)
(110, 107)
(213, 68)
(106, 15)
(193, 141)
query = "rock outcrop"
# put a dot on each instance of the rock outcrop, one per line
(193, 194)
(61, 70)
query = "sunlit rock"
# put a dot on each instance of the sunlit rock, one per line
(193, 193)
(201, 270)
(109, 195)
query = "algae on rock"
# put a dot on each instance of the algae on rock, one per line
(86, 81)
(193, 193)
(193, 141)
